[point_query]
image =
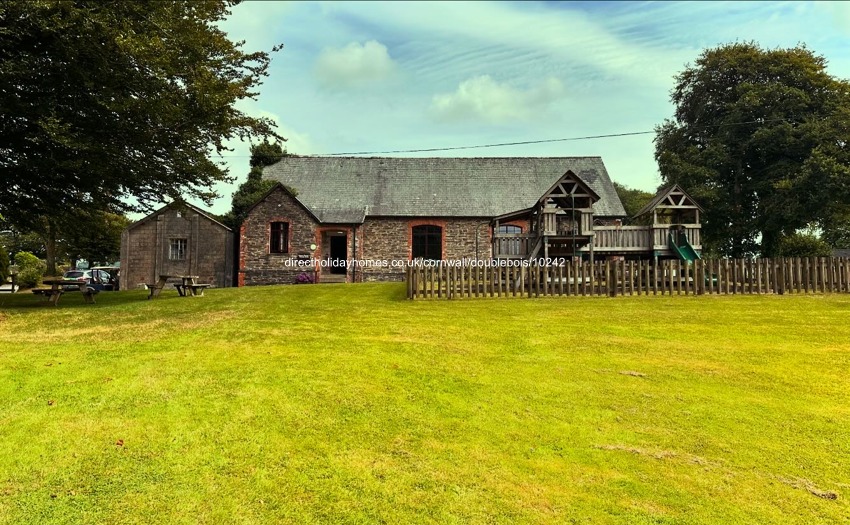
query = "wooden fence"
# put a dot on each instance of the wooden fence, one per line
(450, 280)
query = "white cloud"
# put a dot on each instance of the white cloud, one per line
(485, 99)
(354, 64)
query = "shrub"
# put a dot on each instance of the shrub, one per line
(30, 269)
(804, 245)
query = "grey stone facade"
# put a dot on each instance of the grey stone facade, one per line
(147, 253)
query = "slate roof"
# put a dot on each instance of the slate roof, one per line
(177, 205)
(347, 189)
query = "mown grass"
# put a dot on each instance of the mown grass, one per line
(350, 404)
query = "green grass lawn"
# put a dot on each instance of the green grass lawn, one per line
(350, 404)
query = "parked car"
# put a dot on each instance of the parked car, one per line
(97, 279)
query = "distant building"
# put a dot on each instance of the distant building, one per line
(392, 210)
(177, 239)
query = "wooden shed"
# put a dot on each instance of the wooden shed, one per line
(177, 239)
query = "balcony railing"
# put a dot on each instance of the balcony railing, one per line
(622, 239)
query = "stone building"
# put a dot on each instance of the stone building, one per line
(362, 219)
(177, 239)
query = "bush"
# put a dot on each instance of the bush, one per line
(804, 245)
(30, 269)
(4, 264)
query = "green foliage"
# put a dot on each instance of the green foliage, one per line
(633, 200)
(4, 264)
(759, 139)
(267, 153)
(804, 244)
(94, 236)
(30, 269)
(109, 100)
(255, 187)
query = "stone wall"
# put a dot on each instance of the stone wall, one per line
(379, 239)
(256, 265)
(391, 239)
(145, 249)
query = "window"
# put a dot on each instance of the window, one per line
(509, 229)
(177, 249)
(427, 243)
(279, 237)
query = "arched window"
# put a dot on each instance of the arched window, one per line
(509, 228)
(427, 242)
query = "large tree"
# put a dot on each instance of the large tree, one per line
(760, 139)
(255, 187)
(114, 105)
(633, 199)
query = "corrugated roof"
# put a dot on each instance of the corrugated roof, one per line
(346, 189)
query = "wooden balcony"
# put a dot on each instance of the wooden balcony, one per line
(626, 239)
(606, 239)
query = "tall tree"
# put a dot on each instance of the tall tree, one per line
(760, 139)
(633, 199)
(94, 236)
(249, 192)
(113, 105)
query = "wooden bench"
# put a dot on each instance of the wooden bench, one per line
(89, 293)
(49, 294)
(154, 290)
(46, 292)
(197, 290)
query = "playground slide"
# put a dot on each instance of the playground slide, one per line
(683, 249)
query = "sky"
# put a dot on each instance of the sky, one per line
(387, 76)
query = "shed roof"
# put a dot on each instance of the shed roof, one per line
(346, 189)
(177, 205)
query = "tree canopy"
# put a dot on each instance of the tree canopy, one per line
(633, 199)
(113, 105)
(254, 188)
(760, 139)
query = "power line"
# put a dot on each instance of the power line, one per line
(523, 142)
(497, 145)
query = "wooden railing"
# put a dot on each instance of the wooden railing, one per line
(511, 245)
(606, 238)
(446, 280)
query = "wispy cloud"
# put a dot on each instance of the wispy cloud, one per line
(482, 98)
(354, 64)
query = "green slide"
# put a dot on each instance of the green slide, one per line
(683, 248)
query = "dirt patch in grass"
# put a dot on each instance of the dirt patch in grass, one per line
(804, 484)
(656, 454)
(632, 373)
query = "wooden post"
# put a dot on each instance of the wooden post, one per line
(560, 279)
(679, 277)
(522, 280)
(584, 271)
(830, 276)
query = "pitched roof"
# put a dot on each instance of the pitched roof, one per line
(177, 205)
(345, 189)
(662, 194)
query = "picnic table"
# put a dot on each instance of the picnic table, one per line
(58, 286)
(187, 286)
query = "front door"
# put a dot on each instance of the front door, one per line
(339, 254)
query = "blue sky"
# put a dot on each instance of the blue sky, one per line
(407, 75)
